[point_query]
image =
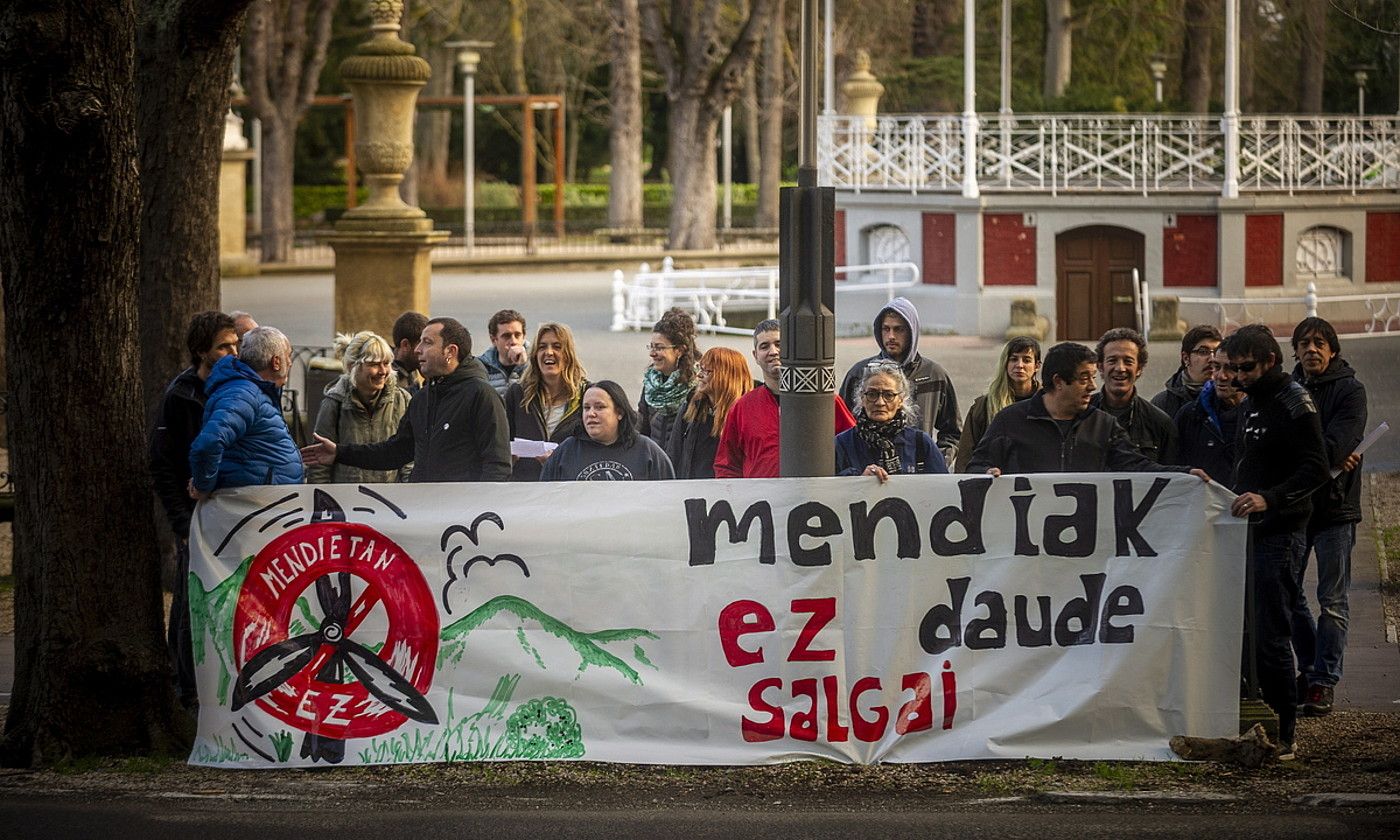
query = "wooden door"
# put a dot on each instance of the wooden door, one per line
(1094, 280)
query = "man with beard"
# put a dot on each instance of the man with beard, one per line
(1336, 508)
(1198, 348)
(897, 336)
(408, 328)
(1206, 426)
(1281, 460)
(1122, 357)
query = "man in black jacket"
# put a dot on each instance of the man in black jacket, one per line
(1336, 508)
(210, 337)
(455, 428)
(1198, 348)
(1206, 426)
(1122, 356)
(1281, 461)
(1056, 430)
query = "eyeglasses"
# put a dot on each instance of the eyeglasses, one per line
(1241, 367)
(881, 396)
(656, 348)
(706, 371)
(1203, 351)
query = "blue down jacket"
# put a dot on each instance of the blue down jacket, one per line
(244, 439)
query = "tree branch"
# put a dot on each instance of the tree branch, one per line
(654, 33)
(255, 81)
(725, 83)
(320, 38)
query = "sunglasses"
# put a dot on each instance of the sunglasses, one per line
(1241, 367)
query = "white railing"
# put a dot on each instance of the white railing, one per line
(1110, 153)
(1354, 316)
(706, 292)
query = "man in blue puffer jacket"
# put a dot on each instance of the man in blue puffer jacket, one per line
(244, 439)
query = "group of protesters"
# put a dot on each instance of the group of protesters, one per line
(421, 407)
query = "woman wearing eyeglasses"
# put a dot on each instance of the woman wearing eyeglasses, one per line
(722, 379)
(1015, 380)
(885, 440)
(668, 383)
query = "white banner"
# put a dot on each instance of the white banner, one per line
(716, 622)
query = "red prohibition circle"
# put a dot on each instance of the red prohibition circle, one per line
(286, 570)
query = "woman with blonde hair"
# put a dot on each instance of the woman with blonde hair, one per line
(723, 378)
(364, 405)
(1015, 380)
(544, 404)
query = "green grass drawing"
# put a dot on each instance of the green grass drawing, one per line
(542, 728)
(223, 751)
(591, 647)
(211, 614)
(282, 743)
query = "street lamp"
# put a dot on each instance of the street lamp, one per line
(1158, 66)
(1361, 73)
(468, 57)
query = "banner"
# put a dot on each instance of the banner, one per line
(716, 622)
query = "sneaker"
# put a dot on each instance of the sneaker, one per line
(1286, 752)
(1318, 701)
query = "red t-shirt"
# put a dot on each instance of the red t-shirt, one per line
(748, 446)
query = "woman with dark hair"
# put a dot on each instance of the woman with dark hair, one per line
(668, 383)
(1015, 380)
(886, 440)
(545, 403)
(608, 446)
(723, 378)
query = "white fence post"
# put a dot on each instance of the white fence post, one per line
(1310, 301)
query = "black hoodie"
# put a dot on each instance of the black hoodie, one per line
(1341, 402)
(455, 429)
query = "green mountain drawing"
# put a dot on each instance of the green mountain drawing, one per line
(591, 647)
(211, 614)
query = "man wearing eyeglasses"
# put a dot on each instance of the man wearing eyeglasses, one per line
(1057, 430)
(1281, 461)
(1197, 353)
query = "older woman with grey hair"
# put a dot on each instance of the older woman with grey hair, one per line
(886, 440)
(364, 405)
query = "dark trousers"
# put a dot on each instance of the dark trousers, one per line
(178, 635)
(1272, 561)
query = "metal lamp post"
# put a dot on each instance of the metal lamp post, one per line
(1361, 74)
(468, 57)
(1158, 66)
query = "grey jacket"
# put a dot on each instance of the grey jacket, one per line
(344, 419)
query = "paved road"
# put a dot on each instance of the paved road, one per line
(304, 820)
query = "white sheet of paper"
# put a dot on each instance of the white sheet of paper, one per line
(1366, 443)
(523, 448)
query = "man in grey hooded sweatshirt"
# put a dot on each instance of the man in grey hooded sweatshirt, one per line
(897, 336)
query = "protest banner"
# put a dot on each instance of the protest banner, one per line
(716, 622)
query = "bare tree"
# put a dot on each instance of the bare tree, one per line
(1059, 43)
(185, 51)
(283, 54)
(703, 72)
(92, 675)
(1195, 55)
(770, 171)
(1312, 53)
(625, 128)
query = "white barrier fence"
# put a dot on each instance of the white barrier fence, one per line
(1354, 316)
(705, 293)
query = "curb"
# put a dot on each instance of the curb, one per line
(1392, 632)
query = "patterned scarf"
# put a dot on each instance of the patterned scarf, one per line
(665, 394)
(882, 438)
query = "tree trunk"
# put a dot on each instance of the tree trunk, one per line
(1059, 41)
(625, 129)
(1312, 54)
(930, 24)
(92, 675)
(432, 139)
(1195, 55)
(1249, 14)
(750, 115)
(184, 63)
(278, 168)
(692, 159)
(770, 171)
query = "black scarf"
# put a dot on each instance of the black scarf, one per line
(882, 439)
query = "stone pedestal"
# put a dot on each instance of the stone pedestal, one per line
(234, 260)
(380, 275)
(862, 91)
(1166, 320)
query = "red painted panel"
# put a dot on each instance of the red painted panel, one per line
(1189, 251)
(1383, 247)
(1263, 250)
(940, 249)
(1008, 250)
(839, 255)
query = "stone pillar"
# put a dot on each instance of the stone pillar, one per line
(233, 202)
(382, 247)
(862, 91)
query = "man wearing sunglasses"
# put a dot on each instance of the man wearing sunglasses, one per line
(1280, 462)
